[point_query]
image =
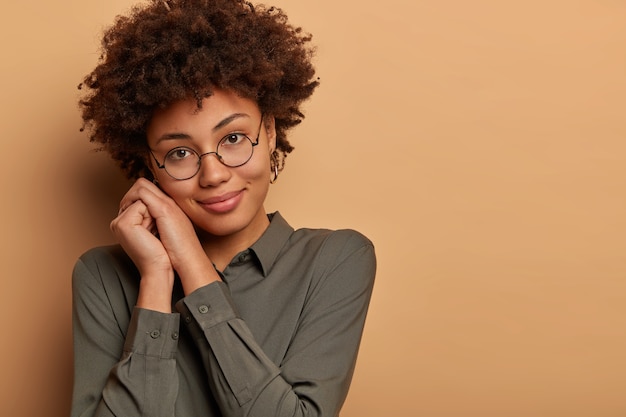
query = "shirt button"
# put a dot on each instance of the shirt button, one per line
(175, 335)
(155, 333)
(203, 309)
(188, 319)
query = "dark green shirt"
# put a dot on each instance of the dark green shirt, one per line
(278, 337)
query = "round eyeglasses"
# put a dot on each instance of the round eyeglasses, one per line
(233, 150)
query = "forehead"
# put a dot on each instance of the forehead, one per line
(185, 116)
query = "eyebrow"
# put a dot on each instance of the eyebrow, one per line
(229, 119)
(219, 125)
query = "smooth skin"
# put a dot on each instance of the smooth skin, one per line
(207, 219)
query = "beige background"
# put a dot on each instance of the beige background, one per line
(479, 144)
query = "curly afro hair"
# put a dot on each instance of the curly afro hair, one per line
(167, 51)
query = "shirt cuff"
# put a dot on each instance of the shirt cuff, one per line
(206, 307)
(152, 333)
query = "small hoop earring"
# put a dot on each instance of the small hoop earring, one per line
(274, 168)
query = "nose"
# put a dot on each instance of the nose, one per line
(212, 171)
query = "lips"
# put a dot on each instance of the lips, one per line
(222, 203)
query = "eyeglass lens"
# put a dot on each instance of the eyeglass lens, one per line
(233, 150)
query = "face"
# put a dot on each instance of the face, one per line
(221, 201)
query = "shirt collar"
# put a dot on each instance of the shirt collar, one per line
(271, 242)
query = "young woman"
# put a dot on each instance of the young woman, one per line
(209, 306)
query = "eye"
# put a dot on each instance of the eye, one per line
(233, 139)
(179, 154)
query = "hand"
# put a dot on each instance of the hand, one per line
(146, 210)
(135, 229)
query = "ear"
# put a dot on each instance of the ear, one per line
(270, 130)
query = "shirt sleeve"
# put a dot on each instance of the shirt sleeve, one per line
(118, 374)
(314, 376)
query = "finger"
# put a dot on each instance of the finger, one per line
(145, 191)
(136, 214)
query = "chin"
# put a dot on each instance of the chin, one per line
(217, 227)
(221, 225)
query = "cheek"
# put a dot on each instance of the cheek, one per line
(257, 168)
(178, 191)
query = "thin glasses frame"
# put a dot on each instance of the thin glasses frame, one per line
(200, 156)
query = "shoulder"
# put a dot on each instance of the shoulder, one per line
(346, 240)
(339, 250)
(340, 265)
(308, 246)
(103, 257)
(103, 263)
(101, 254)
(343, 241)
(105, 284)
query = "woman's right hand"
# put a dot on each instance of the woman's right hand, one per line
(145, 213)
(136, 231)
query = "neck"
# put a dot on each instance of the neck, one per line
(222, 249)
